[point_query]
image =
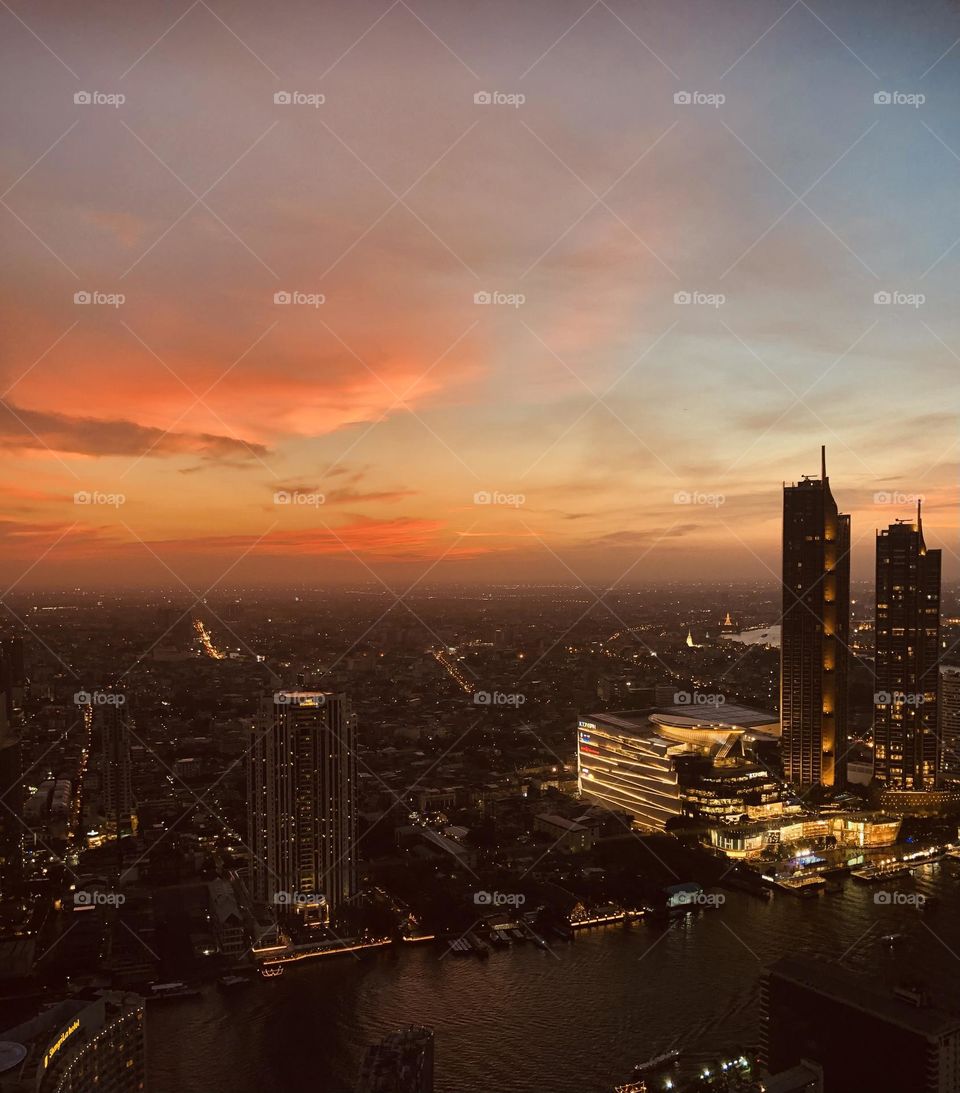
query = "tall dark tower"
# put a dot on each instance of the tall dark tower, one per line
(110, 723)
(302, 783)
(814, 651)
(908, 651)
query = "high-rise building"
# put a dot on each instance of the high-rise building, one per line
(302, 798)
(814, 1010)
(814, 652)
(907, 656)
(112, 729)
(948, 711)
(401, 1063)
(78, 1045)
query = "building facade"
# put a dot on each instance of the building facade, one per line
(948, 712)
(628, 769)
(78, 1046)
(907, 655)
(302, 788)
(815, 633)
(671, 761)
(112, 729)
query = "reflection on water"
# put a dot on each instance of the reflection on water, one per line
(576, 1017)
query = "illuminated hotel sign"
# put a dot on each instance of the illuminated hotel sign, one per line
(59, 1042)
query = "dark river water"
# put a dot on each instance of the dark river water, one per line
(572, 1019)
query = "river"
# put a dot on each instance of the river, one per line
(571, 1019)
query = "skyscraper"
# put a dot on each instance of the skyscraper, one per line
(302, 802)
(111, 726)
(908, 648)
(814, 651)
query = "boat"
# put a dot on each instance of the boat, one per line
(804, 886)
(162, 992)
(658, 1062)
(892, 939)
(271, 971)
(872, 874)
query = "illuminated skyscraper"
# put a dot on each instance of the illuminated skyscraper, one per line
(908, 649)
(302, 801)
(814, 650)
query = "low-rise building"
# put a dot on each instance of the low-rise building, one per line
(566, 834)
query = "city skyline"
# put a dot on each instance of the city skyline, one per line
(480, 546)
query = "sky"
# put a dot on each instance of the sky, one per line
(446, 291)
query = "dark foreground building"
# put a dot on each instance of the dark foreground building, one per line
(867, 1037)
(401, 1063)
(815, 633)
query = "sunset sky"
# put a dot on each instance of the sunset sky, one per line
(598, 399)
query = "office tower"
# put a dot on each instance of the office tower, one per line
(819, 1011)
(302, 800)
(112, 728)
(401, 1063)
(814, 650)
(79, 1045)
(908, 650)
(948, 711)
